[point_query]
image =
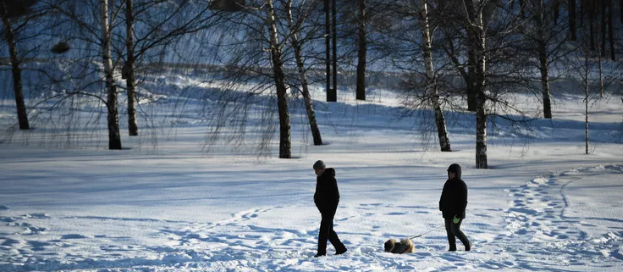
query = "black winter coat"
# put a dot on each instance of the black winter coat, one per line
(327, 194)
(453, 198)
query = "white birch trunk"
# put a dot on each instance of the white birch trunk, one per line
(114, 138)
(282, 101)
(309, 106)
(431, 84)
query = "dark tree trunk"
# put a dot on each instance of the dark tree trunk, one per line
(466, 74)
(327, 39)
(129, 69)
(547, 107)
(556, 11)
(114, 138)
(586, 86)
(334, 44)
(16, 8)
(591, 20)
(572, 19)
(309, 106)
(363, 48)
(477, 44)
(601, 77)
(582, 12)
(541, 22)
(22, 115)
(603, 28)
(611, 31)
(280, 83)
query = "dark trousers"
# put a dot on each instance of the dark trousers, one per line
(326, 232)
(453, 231)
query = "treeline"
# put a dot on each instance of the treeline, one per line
(463, 55)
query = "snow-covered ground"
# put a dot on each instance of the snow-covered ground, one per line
(541, 207)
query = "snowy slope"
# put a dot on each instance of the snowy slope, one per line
(542, 207)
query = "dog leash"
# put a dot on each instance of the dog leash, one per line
(420, 235)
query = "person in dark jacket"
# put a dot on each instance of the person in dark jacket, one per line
(452, 205)
(327, 197)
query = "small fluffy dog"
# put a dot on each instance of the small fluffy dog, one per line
(404, 246)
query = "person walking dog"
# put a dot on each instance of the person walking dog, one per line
(452, 205)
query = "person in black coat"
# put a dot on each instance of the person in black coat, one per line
(327, 198)
(452, 205)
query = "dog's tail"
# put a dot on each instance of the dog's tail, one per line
(409, 244)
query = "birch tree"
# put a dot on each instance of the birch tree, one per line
(114, 138)
(280, 82)
(298, 48)
(22, 115)
(15, 9)
(431, 85)
(128, 68)
(542, 38)
(161, 23)
(477, 45)
(541, 29)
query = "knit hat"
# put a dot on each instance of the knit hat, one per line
(455, 168)
(319, 165)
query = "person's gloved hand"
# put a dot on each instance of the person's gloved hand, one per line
(456, 220)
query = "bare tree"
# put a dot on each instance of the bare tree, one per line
(456, 29)
(362, 52)
(114, 138)
(590, 72)
(431, 86)
(586, 80)
(611, 30)
(150, 25)
(408, 40)
(297, 47)
(544, 38)
(607, 28)
(583, 62)
(334, 48)
(572, 19)
(331, 93)
(10, 9)
(285, 145)
(162, 23)
(542, 22)
(477, 45)
(128, 68)
(591, 9)
(330, 7)
(279, 28)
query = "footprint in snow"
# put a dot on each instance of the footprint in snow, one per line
(37, 215)
(7, 219)
(73, 236)
(33, 230)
